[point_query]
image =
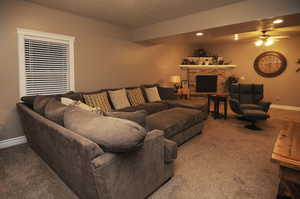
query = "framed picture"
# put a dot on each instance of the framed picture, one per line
(185, 83)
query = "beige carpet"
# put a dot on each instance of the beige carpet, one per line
(226, 162)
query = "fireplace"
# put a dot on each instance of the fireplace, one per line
(206, 83)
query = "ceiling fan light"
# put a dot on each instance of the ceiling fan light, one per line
(236, 37)
(277, 21)
(269, 42)
(259, 42)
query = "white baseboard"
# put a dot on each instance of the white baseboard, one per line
(285, 107)
(12, 142)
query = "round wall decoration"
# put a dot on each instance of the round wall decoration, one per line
(270, 64)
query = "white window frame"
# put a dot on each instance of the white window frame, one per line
(32, 34)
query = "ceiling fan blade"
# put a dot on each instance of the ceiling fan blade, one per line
(280, 37)
(263, 36)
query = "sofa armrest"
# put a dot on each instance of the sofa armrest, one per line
(170, 150)
(68, 153)
(135, 174)
(109, 158)
(234, 100)
(235, 105)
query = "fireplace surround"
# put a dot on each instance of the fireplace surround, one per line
(221, 74)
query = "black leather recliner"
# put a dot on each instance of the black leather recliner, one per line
(247, 97)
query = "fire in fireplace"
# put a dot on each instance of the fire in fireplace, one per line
(206, 83)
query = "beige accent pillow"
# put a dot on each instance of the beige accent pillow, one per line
(152, 94)
(135, 96)
(79, 104)
(86, 107)
(67, 101)
(119, 98)
(99, 100)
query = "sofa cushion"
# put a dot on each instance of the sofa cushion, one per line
(55, 110)
(152, 94)
(167, 93)
(119, 98)
(28, 100)
(136, 116)
(151, 107)
(99, 100)
(251, 107)
(40, 102)
(199, 103)
(255, 115)
(135, 96)
(112, 134)
(174, 120)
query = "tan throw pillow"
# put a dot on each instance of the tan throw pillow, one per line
(80, 104)
(135, 96)
(152, 94)
(67, 101)
(99, 100)
(119, 98)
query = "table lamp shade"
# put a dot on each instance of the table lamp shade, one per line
(175, 79)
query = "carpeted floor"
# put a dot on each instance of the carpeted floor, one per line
(226, 162)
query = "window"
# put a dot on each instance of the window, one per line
(46, 63)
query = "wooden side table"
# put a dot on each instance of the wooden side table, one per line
(286, 152)
(217, 98)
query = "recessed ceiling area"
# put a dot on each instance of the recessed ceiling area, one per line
(134, 13)
(246, 32)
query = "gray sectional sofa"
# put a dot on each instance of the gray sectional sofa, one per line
(93, 173)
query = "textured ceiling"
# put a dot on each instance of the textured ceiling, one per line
(134, 13)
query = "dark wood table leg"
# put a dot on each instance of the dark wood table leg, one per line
(225, 109)
(208, 103)
(216, 109)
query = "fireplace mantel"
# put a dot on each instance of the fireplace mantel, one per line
(207, 66)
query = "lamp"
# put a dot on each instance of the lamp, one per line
(175, 79)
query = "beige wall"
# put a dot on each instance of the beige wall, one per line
(283, 89)
(103, 55)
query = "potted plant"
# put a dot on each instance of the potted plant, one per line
(229, 81)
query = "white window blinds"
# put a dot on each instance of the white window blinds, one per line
(46, 67)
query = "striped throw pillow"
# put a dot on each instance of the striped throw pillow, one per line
(135, 96)
(99, 100)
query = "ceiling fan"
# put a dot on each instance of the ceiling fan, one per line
(268, 40)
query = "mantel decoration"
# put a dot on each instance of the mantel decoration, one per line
(201, 57)
(270, 64)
